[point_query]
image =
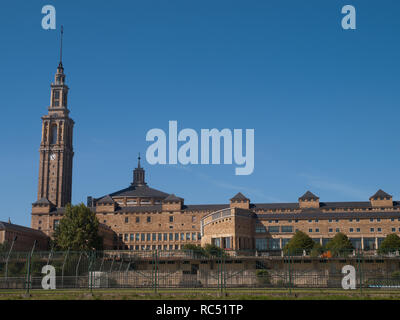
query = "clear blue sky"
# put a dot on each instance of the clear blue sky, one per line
(324, 102)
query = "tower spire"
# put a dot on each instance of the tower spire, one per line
(61, 44)
(138, 175)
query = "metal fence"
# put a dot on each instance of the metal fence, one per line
(156, 270)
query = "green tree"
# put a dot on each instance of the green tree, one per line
(317, 250)
(299, 242)
(78, 230)
(196, 250)
(263, 277)
(339, 244)
(214, 251)
(390, 244)
(4, 247)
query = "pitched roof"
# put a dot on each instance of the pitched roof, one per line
(308, 196)
(106, 200)
(43, 201)
(142, 191)
(16, 227)
(173, 197)
(381, 194)
(239, 196)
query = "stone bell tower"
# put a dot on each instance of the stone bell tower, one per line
(56, 151)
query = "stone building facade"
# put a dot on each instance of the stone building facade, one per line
(270, 226)
(139, 217)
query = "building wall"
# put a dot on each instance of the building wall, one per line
(153, 223)
(25, 240)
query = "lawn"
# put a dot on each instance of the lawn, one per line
(202, 294)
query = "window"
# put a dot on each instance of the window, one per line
(193, 218)
(125, 237)
(393, 229)
(316, 220)
(330, 220)
(351, 230)
(330, 230)
(137, 219)
(350, 220)
(260, 228)
(148, 219)
(131, 237)
(187, 236)
(372, 220)
(274, 229)
(337, 220)
(310, 230)
(182, 236)
(358, 230)
(337, 230)
(379, 229)
(171, 219)
(176, 236)
(198, 236)
(310, 221)
(296, 221)
(56, 98)
(166, 236)
(358, 219)
(194, 236)
(160, 237)
(154, 237)
(53, 134)
(137, 236)
(286, 229)
(317, 230)
(126, 219)
(148, 236)
(261, 244)
(371, 230)
(392, 220)
(378, 219)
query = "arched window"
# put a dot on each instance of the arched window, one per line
(53, 134)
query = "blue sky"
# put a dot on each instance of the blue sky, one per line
(323, 101)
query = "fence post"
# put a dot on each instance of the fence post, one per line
(91, 271)
(76, 270)
(62, 270)
(28, 274)
(290, 274)
(155, 271)
(9, 255)
(50, 254)
(360, 268)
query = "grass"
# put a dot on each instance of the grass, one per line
(201, 294)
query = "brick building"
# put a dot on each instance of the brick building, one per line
(22, 238)
(142, 218)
